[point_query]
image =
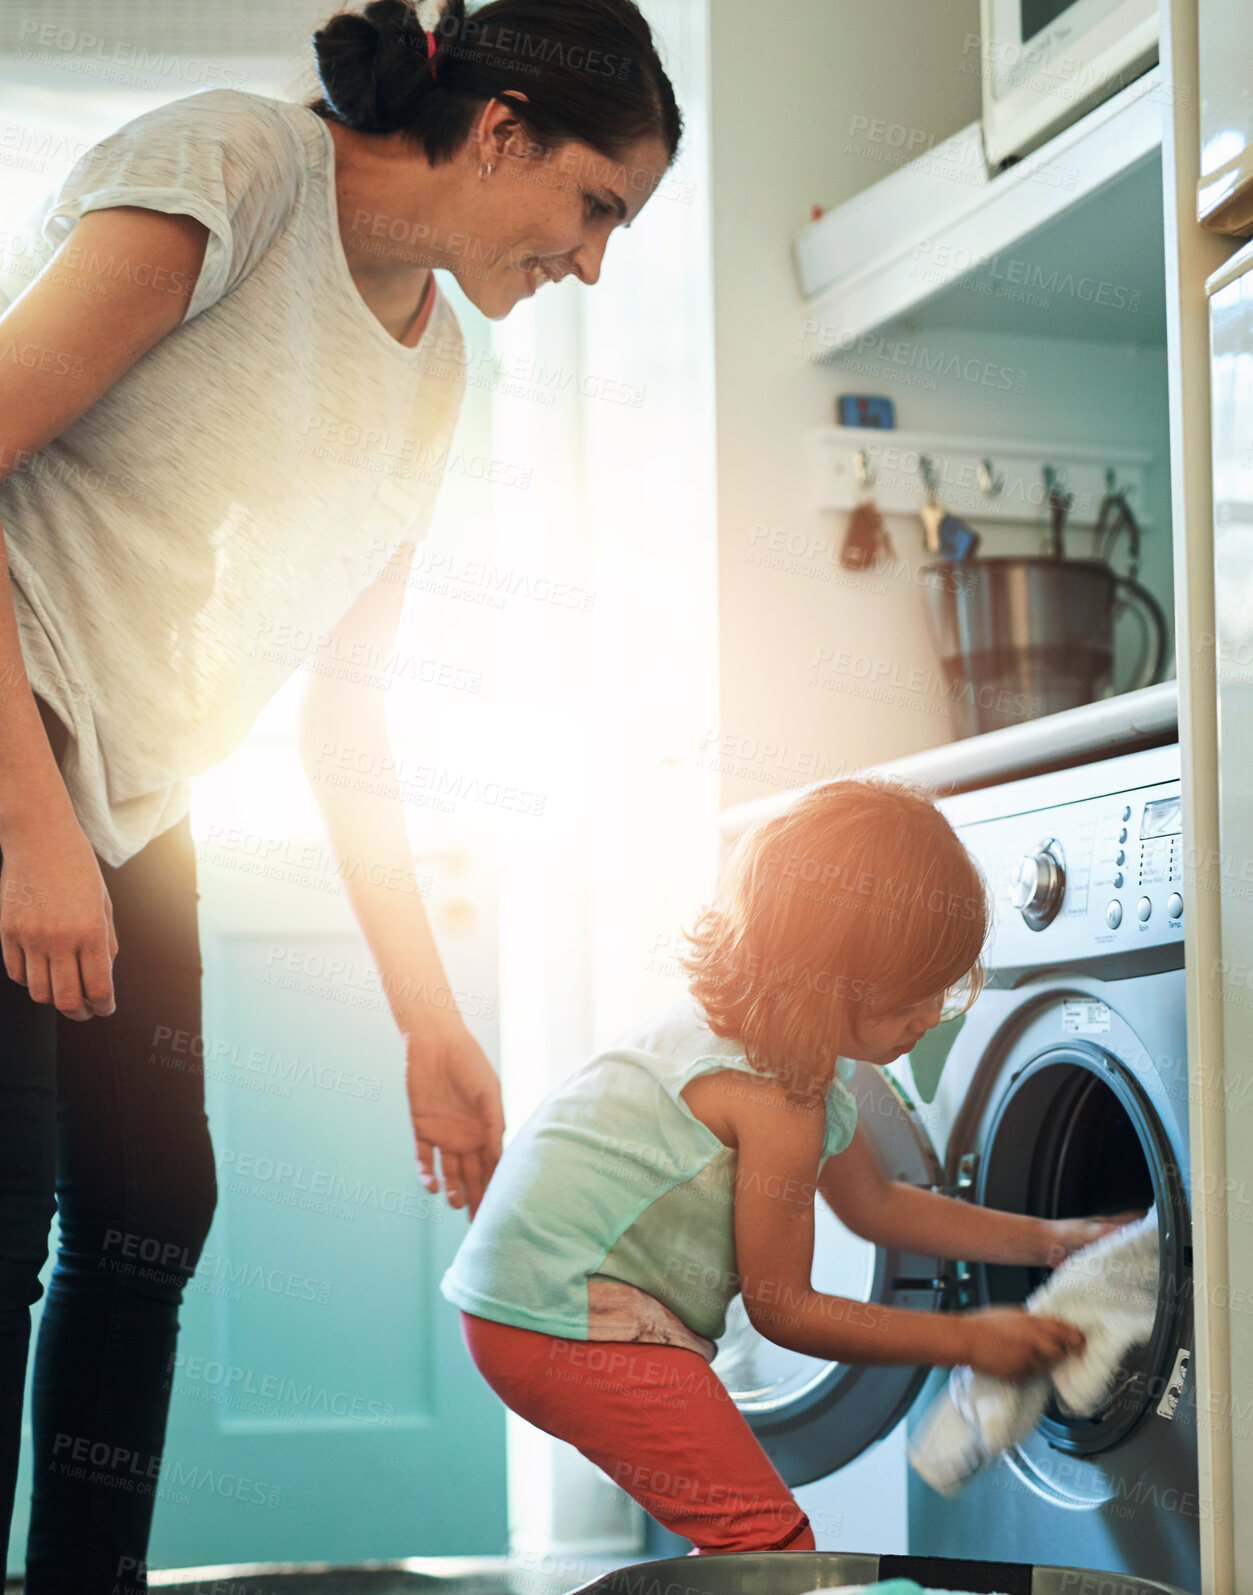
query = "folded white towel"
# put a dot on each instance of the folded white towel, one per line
(1109, 1290)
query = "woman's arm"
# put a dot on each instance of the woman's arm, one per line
(454, 1093)
(891, 1213)
(73, 332)
(779, 1142)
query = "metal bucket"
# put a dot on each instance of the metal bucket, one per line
(795, 1572)
(1020, 638)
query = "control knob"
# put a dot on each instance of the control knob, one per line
(1039, 883)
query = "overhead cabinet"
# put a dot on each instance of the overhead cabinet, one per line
(1032, 233)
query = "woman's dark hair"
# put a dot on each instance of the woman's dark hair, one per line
(589, 70)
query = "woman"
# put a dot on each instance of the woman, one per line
(225, 308)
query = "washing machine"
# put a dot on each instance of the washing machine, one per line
(1061, 1092)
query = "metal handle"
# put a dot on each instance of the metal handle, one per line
(943, 1572)
(1149, 666)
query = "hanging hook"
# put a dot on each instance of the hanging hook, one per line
(1059, 503)
(1114, 517)
(932, 512)
(862, 468)
(990, 484)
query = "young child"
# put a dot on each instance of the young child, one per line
(680, 1167)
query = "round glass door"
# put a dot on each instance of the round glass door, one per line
(764, 1377)
(1072, 1133)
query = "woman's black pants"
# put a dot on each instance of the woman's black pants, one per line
(95, 1114)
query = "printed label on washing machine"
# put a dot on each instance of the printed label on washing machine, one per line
(1174, 1388)
(1081, 1016)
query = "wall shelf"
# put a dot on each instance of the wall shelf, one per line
(895, 483)
(1017, 249)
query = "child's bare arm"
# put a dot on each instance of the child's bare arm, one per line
(779, 1142)
(891, 1213)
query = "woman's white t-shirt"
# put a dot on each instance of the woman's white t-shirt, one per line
(183, 547)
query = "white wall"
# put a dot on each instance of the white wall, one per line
(815, 120)
(786, 104)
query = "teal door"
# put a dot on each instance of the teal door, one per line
(324, 1406)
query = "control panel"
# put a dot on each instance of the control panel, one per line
(1096, 877)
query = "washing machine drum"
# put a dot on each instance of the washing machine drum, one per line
(1072, 1133)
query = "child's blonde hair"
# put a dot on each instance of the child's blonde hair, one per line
(860, 898)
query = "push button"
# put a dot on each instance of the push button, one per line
(1120, 857)
(1113, 914)
(1122, 835)
(1126, 813)
(1118, 878)
(1144, 908)
(1174, 906)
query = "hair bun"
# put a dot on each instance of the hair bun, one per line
(367, 64)
(590, 70)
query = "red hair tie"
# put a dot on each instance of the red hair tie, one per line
(430, 53)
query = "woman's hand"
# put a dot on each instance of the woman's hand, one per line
(1062, 1236)
(56, 920)
(455, 1106)
(1011, 1343)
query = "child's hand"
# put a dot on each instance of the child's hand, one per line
(1011, 1343)
(1062, 1236)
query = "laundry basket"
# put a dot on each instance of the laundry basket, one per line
(795, 1572)
(746, 1573)
(422, 1575)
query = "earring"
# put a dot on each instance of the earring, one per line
(486, 170)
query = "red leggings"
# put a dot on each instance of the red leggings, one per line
(658, 1421)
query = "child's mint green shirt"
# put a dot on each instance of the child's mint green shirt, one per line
(613, 1178)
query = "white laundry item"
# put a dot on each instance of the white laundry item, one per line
(1109, 1291)
(975, 1419)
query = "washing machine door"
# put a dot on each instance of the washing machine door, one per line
(813, 1416)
